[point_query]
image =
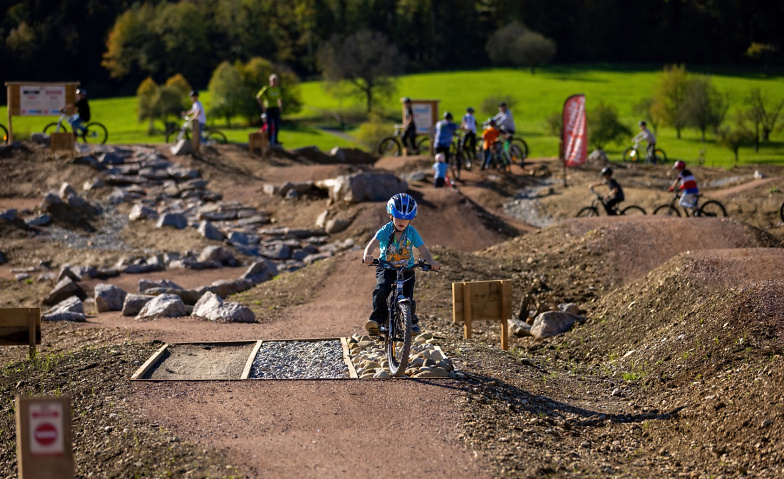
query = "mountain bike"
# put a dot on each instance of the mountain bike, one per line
(397, 334)
(708, 209)
(499, 159)
(210, 135)
(393, 146)
(515, 147)
(4, 133)
(466, 157)
(93, 131)
(633, 154)
(598, 202)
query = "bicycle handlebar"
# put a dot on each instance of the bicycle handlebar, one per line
(389, 265)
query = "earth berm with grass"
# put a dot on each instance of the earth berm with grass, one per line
(676, 370)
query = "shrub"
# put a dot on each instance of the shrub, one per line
(371, 132)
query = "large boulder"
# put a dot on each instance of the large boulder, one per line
(109, 297)
(63, 290)
(212, 307)
(260, 271)
(165, 305)
(366, 187)
(217, 254)
(553, 323)
(69, 309)
(134, 303)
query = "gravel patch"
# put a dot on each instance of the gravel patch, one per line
(527, 207)
(107, 238)
(300, 360)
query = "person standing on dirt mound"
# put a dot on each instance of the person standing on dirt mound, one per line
(197, 112)
(270, 98)
(616, 192)
(688, 185)
(397, 240)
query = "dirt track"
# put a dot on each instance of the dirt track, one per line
(528, 413)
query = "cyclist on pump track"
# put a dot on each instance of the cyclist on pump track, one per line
(82, 115)
(688, 184)
(616, 192)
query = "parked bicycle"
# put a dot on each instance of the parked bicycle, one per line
(4, 132)
(515, 148)
(460, 155)
(393, 146)
(93, 132)
(597, 205)
(633, 154)
(708, 209)
(397, 334)
(210, 135)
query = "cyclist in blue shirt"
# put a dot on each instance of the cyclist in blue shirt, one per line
(445, 131)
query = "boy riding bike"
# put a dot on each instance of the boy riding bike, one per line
(611, 201)
(688, 185)
(646, 135)
(397, 240)
(82, 115)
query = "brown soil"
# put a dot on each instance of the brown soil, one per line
(677, 370)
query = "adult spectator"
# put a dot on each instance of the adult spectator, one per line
(270, 98)
(504, 120)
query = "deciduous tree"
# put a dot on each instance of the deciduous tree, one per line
(763, 114)
(669, 94)
(517, 45)
(704, 106)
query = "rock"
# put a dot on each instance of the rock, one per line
(260, 271)
(519, 328)
(552, 323)
(237, 237)
(336, 226)
(47, 277)
(217, 254)
(118, 196)
(20, 277)
(616, 392)
(165, 305)
(134, 303)
(275, 250)
(598, 156)
(209, 231)
(70, 309)
(176, 220)
(51, 199)
(141, 212)
(383, 374)
(9, 214)
(432, 372)
(40, 220)
(146, 285)
(85, 271)
(366, 187)
(109, 298)
(63, 290)
(111, 159)
(338, 153)
(321, 219)
(226, 287)
(67, 272)
(92, 185)
(312, 258)
(212, 307)
(183, 147)
(66, 190)
(106, 273)
(570, 308)
(300, 188)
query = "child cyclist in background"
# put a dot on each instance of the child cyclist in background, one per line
(688, 185)
(489, 136)
(616, 192)
(439, 171)
(397, 240)
(445, 131)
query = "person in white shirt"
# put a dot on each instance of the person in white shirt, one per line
(646, 135)
(468, 143)
(504, 120)
(197, 111)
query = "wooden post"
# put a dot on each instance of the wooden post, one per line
(62, 141)
(258, 140)
(483, 301)
(43, 438)
(506, 312)
(196, 137)
(20, 326)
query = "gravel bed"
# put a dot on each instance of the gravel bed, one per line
(299, 360)
(107, 238)
(527, 207)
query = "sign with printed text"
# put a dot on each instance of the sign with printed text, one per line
(575, 137)
(41, 99)
(423, 117)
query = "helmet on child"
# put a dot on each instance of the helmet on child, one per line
(606, 171)
(194, 93)
(470, 109)
(679, 165)
(641, 123)
(402, 206)
(447, 115)
(440, 157)
(81, 91)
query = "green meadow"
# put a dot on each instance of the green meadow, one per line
(537, 97)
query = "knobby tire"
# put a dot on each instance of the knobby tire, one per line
(781, 212)
(398, 351)
(389, 147)
(633, 210)
(216, 136)
(423, 146)
(712, 208)
(101, 135)
(586, 212)
(5, 134)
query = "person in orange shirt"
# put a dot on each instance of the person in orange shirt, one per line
(489, 136)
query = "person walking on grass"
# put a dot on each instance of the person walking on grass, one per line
(270, 99)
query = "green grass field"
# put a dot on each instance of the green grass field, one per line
(538, 96)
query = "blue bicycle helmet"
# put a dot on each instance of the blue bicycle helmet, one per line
(402, 206)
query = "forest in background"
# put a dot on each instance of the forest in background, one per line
(47, 40)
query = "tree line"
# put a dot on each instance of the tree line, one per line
(111, 46)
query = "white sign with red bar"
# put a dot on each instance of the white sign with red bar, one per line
(46, 429)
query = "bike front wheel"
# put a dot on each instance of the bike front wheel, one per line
(423, 146)
(52, 128)
(633, 210)
(586, 212)
(518, 151)
(630, 155)
(667, 210)
(389, 146)
(215, 136)
(398, 344)
(4, 133)
(712, 208)
(94, 133)
(781, 212)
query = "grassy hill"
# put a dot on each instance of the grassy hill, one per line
(538, 96)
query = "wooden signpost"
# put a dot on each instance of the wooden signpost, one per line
(483, 301)
(20, 326)
(43, 438)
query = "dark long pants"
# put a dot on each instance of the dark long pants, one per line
(385, 281)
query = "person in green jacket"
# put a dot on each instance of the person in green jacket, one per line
(270, 99)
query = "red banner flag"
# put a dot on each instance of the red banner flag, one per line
(575, 138)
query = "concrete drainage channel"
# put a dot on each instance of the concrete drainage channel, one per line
(319, 358)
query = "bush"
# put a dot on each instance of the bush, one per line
(604, 126)
(373, 131)
(553, 124)
(489, 105)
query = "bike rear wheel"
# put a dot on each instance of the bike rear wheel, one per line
(423, 146)
(4, 133)
(52, 128)
(94, 132)
(661, 156)
(712, 208)
(781, 212)
(216, 136)
(586, 212)
(667, 210)
(633, 210)
(174, 136)
(389, 146)
(398, 344)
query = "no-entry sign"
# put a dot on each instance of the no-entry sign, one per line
(43, 439)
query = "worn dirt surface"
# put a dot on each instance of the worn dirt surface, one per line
(675, 372)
